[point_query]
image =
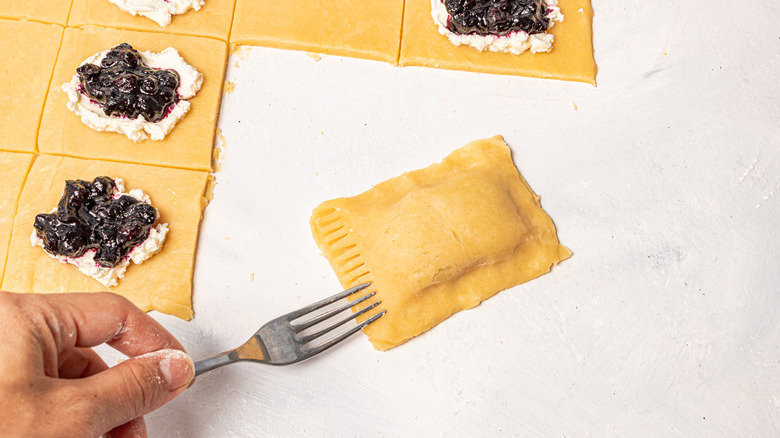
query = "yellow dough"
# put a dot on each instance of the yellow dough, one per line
(571, 58)
(439, 240)
(163, 283)
(212, 20)
(48, 11)
(188, 145)
(29, 50)
(356, 28)
(14, 168)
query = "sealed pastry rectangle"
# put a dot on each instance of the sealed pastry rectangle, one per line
(571, 57)
(439, 240)
(162, 283)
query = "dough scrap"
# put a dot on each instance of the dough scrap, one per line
(162, 283)
(356, 28)
(571, 58)
(29, 51)
(439, 240)
(189, 144)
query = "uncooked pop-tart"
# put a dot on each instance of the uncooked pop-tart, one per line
(439, 240)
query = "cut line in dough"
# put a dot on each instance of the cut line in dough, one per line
(571, 58)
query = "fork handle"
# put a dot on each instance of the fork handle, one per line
(216, 361)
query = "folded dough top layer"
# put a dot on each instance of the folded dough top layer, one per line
(439, 240)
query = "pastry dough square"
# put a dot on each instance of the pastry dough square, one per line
(29, 52)
(14, 168)
(162, 283)
(571, 58)
(188, 145)
(212, 20)
(439, 240)
(356, 28)
(47, 11)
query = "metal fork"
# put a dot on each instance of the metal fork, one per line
(281, 342)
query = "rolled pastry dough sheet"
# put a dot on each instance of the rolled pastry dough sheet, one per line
(29, 52)
(163, 283)
(47, 11)
(188, 145)
(212, 20)
(571, 58)
(355, 28)
(14, 168)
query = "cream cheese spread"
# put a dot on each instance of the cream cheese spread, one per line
(92, 115)
(515, 42)
(159, 11)
(110, 276)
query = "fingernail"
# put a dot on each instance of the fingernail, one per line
(176, 368)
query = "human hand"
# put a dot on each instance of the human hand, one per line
(53, 384)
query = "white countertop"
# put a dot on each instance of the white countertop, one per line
(664, 181)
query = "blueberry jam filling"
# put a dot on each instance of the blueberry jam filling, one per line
(125, 87)
(88, 217)
(496, 17)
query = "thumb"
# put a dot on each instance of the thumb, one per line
(138, 386)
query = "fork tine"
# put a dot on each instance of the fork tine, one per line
(277, 341)
(316, 335)
(322, 347)
(326, 315)
(300, 312)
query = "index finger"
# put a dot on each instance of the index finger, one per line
(90, 319)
